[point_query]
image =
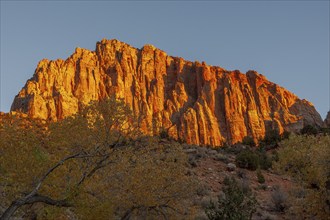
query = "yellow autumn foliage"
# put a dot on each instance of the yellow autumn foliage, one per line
(118, 173)
(307, 160)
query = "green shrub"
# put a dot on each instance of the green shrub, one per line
(271, 137)
(247, 159)
(285, 135)
(279, 198)
(248, 140)
(164, 134)
(265, 162)
(261, 178)
(233, 149)
(203, 190)
(235, 204)
(325, 131)
(192, 161)
(274, 157)
(309, 130)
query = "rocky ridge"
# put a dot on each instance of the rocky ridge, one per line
(194, 102)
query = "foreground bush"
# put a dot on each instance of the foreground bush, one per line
(307, 160)
(237, 203)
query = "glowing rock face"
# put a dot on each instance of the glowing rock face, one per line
(194, 102)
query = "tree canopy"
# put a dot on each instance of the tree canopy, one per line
(96, 162)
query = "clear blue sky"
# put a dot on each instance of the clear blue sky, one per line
(287, 41)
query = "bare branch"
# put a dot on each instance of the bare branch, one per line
(48, 201)
(50, 171)
(33, 197)
(31, 200)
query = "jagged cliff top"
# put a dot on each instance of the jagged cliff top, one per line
(198, 103)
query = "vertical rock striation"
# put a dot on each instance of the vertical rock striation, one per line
(197, 103)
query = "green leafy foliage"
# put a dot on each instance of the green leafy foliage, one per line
(253, 159)
(247, 159)
(248, 140)
(237, 203)
(309, 130)
(164, 133)
(272, 137)
(260, 176)
(325, 131)
(265, 161)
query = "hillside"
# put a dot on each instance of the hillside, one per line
(94, 166)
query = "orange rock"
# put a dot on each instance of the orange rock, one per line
(197, 103)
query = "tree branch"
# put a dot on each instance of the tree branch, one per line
(50, 171)
(31, 200)
(33, 197)
(48, 201)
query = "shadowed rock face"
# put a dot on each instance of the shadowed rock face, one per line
(197, 103)
(327, 120)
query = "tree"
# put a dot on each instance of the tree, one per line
(307, 159)
(149, 180)
(21, 147)
(85, 154)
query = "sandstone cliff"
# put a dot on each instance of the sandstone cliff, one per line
(197, 103)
